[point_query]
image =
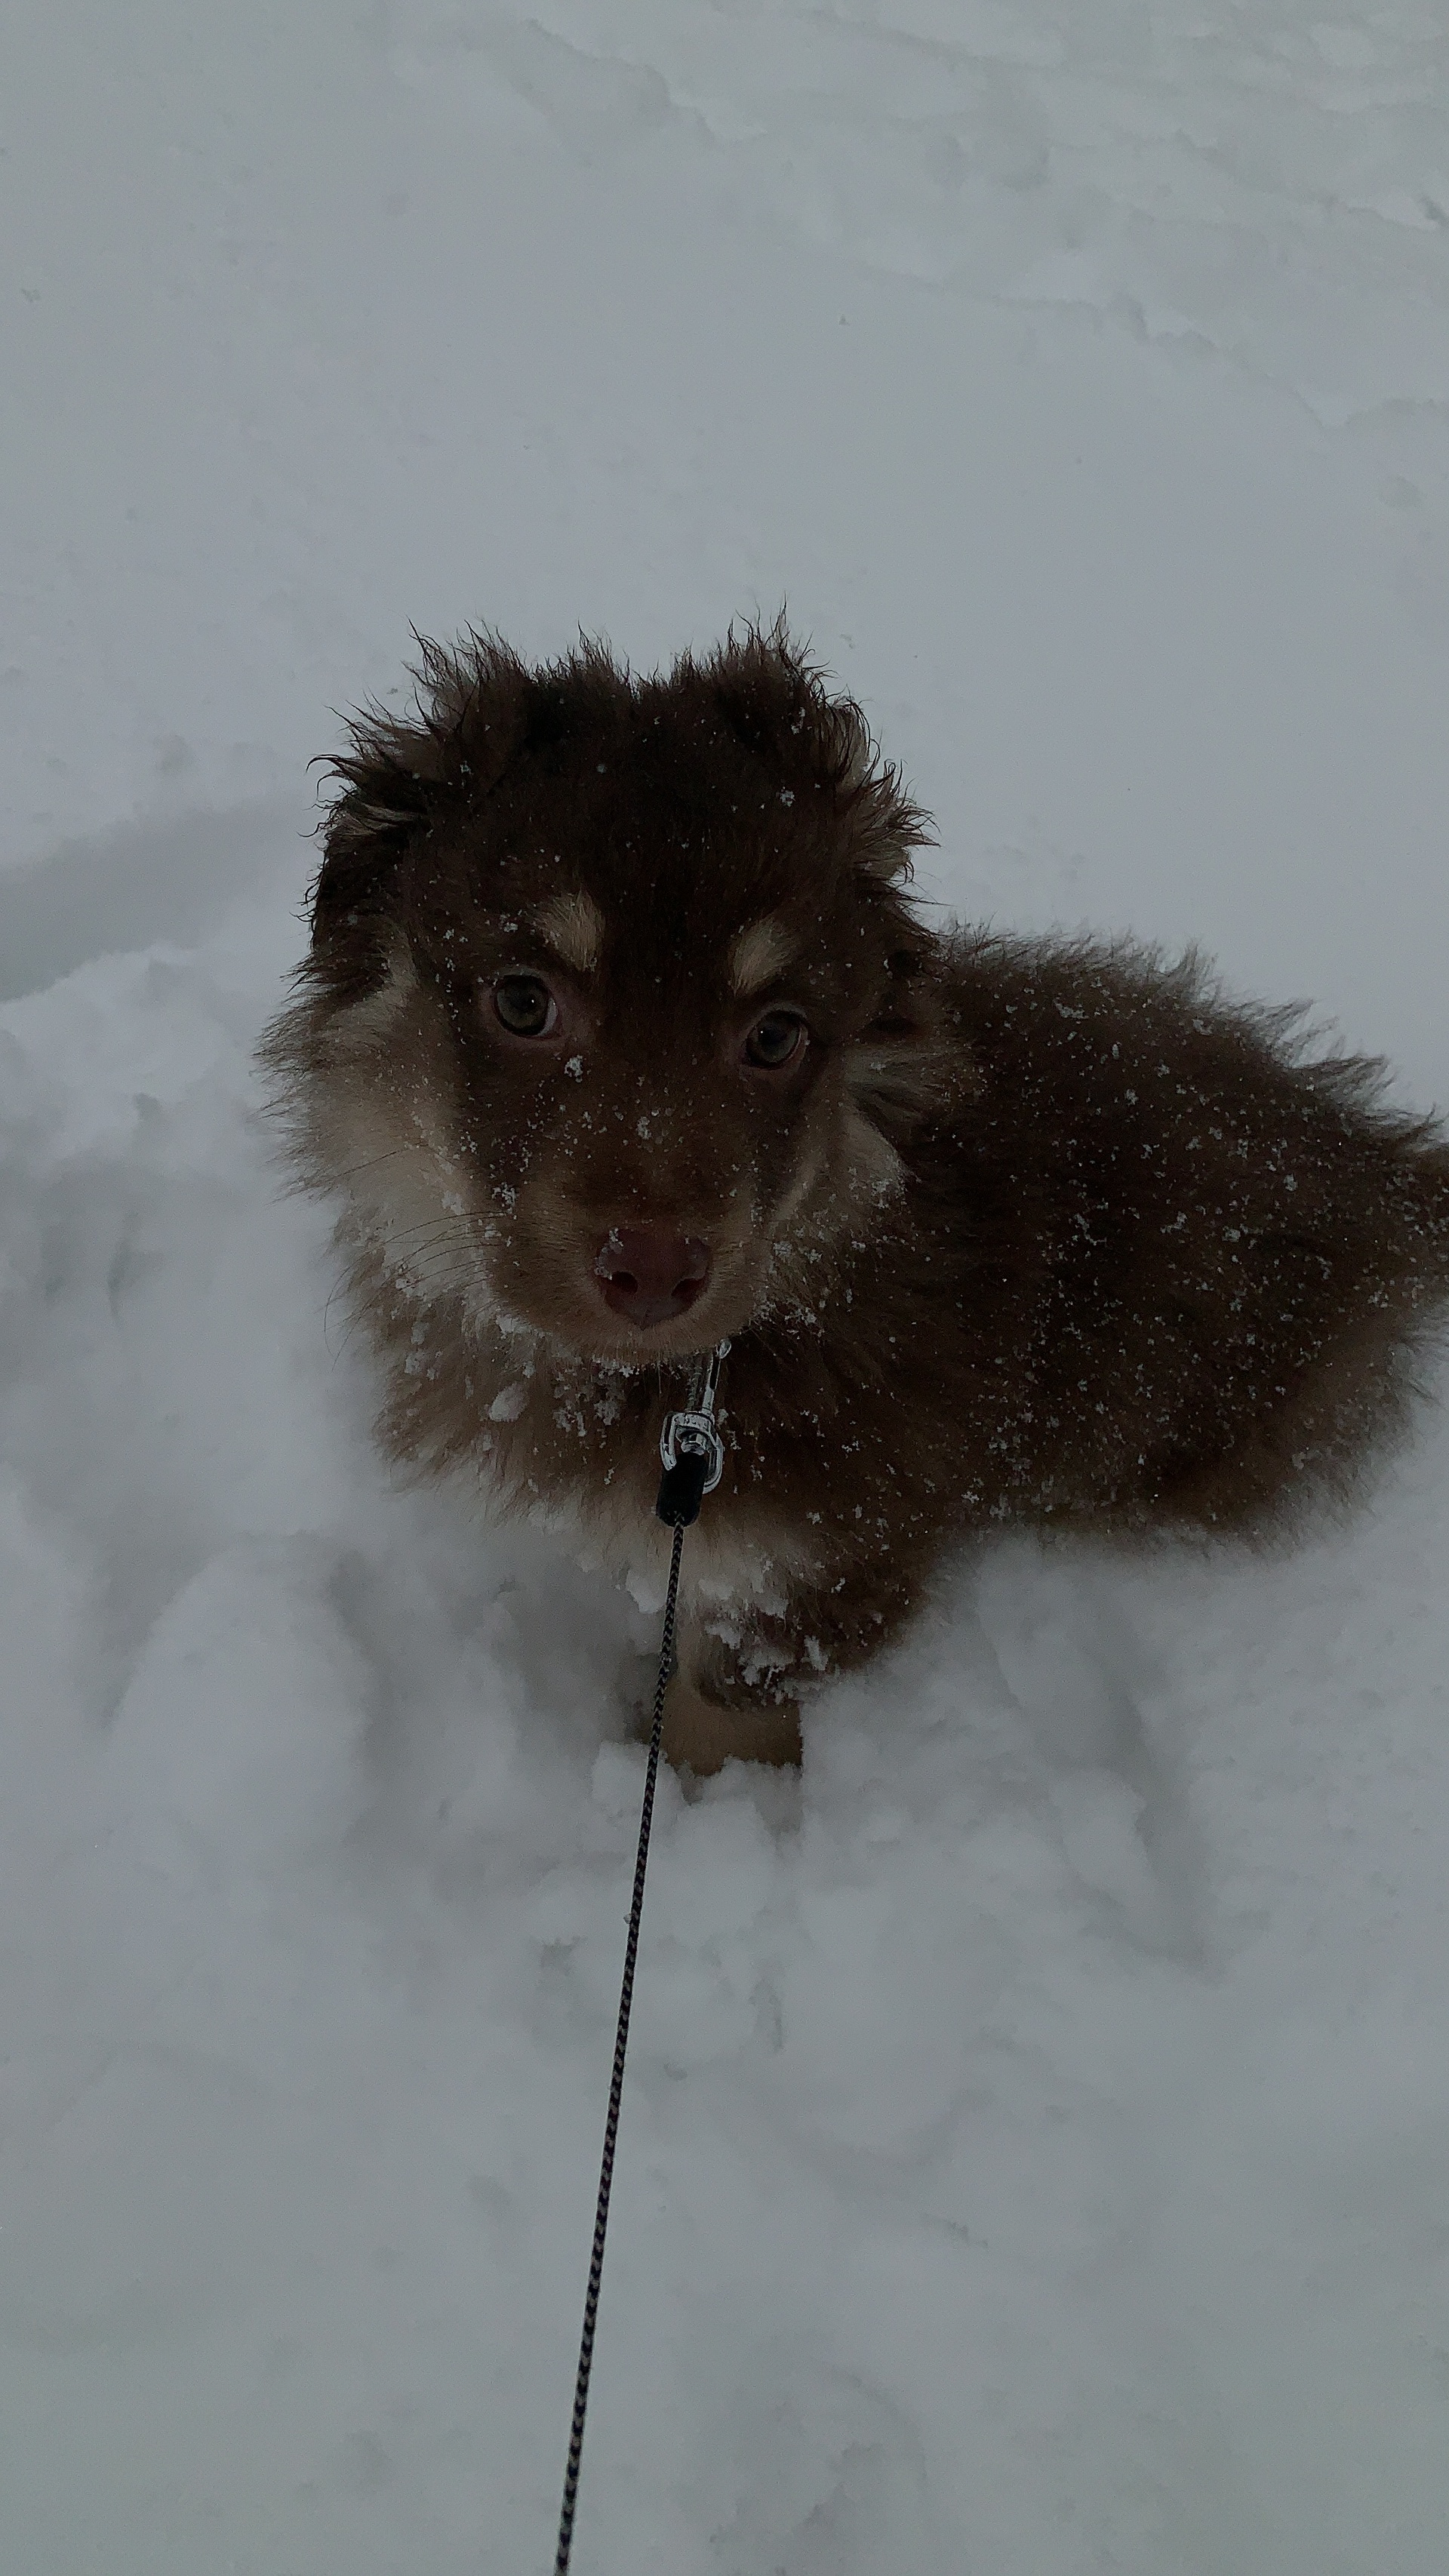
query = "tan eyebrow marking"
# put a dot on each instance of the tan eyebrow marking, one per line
(573, 927)
(758, 954)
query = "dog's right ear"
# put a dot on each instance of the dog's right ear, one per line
(401, 777)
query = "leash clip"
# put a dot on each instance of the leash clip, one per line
(692, 1451)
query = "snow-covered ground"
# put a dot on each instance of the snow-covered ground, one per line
(1036, 2156)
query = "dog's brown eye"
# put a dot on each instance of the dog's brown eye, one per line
(525, 1006)
(775, 1040)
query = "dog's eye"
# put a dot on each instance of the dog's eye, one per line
(776, 1040)
(525, 1006)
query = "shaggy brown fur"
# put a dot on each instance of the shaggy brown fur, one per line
(1002, 1231)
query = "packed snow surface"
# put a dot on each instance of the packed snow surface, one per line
(1036, 2155)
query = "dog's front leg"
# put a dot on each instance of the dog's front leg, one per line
(736, 1694)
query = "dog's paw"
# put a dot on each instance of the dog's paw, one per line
(701, 1735)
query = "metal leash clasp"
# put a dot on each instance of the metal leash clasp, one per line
(691, 1450)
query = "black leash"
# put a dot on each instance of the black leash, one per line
(693, 1456)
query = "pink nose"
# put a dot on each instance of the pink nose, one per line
(648, 1274)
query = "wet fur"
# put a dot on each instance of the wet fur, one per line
(1043, 1233)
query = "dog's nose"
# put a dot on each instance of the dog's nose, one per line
(649, 1274)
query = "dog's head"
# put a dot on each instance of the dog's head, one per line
(615, 1002)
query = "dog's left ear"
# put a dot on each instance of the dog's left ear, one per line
(777, 702)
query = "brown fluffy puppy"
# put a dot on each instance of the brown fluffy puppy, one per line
(619, 1034)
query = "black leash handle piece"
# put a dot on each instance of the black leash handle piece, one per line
(693, 1458)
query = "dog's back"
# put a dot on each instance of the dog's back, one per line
(1240, 1249)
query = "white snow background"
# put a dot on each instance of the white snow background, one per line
(1036, 2153)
